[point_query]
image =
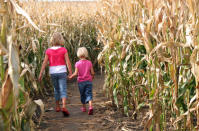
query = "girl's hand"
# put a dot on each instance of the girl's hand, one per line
(40, 78)
(70, 74)
(70, 77)
(45, 62)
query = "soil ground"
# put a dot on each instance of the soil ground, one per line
(105, 118)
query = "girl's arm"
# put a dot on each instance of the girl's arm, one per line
(68, 64)
(92, 72)
(45, 62)
(74, 74)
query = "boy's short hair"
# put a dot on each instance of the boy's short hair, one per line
(82, 52)
(57, 39)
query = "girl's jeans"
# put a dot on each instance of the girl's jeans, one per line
(59, 84)
(85, 89)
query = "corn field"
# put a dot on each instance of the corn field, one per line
(150, 56)
(26, 29)
(148, 48)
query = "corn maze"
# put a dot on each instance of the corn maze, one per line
(147, 48)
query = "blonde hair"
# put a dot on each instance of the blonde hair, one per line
(57, 39)
(82, 52)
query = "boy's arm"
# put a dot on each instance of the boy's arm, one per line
(68, 64)
(45, 62)
(74, 74)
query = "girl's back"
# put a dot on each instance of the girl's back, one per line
(84, 70)
(56, 56)
(58, 59)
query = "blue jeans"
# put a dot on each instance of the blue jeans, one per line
(59, 84)
(85, 89)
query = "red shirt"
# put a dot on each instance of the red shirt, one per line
(56, 57)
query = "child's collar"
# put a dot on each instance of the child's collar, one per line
(82, 58)
(55, 47)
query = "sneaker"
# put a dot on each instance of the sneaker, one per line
(58, 109)
(83, 109)
(90, 112)
(65, 112)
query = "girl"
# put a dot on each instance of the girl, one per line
(85, 72)
(57, 57)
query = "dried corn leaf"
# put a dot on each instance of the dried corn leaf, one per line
(40, 104)
(30, 76)
(3, 50)
(194, 65)
(20, 11)
(14, 65)
(7, 94)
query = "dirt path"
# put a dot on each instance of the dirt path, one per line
(105, 117)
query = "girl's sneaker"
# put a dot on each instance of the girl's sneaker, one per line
(90, 112)
(65, 112)
(83, 109)
(58, 109)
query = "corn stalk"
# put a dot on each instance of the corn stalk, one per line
(156, 40)
(13, 116)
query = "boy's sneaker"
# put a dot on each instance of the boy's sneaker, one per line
(65, 112)
(58, 109)
(83, 109)
(90, 112)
